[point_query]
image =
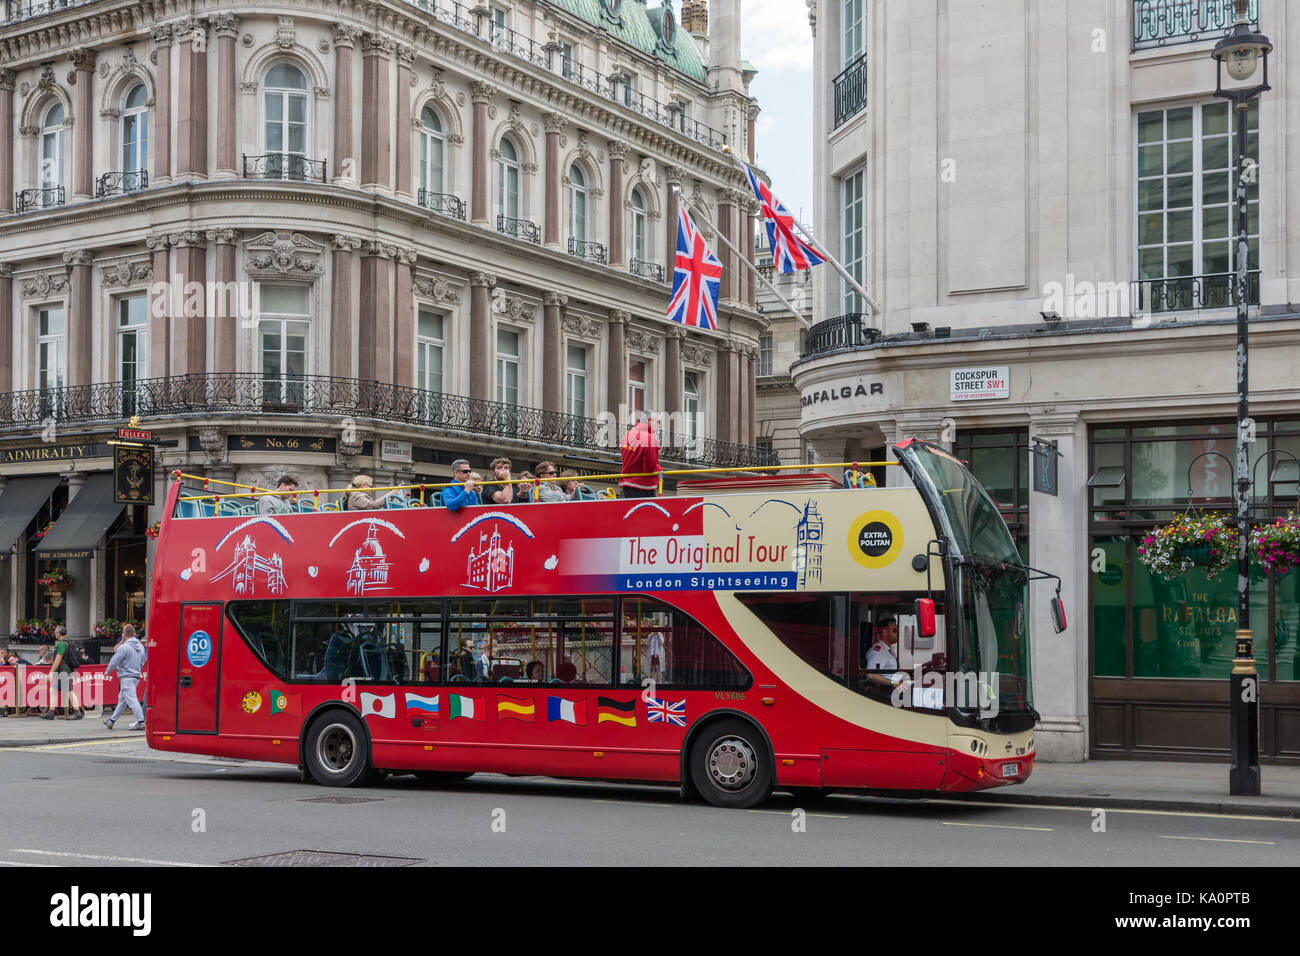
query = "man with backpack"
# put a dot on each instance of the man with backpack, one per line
(67, 658)
(128, 661)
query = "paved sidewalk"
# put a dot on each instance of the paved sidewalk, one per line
(1147, 785)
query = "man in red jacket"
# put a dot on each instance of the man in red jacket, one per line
(640, 457)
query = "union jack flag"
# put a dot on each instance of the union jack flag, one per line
(696, 278)
(663, 711)
(790, 253)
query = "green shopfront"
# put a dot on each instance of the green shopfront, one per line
(1160, 650)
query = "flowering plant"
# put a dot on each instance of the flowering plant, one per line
(1189, 541)
(44, 531)
(1276, 546)
(34, 627)
(153, 530)
(57, 576)
(111, 627)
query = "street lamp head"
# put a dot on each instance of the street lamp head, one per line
(1242, 49)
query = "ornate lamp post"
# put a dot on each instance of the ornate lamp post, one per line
(1240, 53)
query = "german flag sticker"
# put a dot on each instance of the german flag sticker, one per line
(619, 712)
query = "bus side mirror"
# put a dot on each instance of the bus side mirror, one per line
(924, 610)
(1058, 614)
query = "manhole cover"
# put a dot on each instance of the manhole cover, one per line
(343, 800)
(323, 858)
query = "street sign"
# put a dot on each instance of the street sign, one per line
(133, 476)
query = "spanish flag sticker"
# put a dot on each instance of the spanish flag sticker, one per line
(619, 712)
(515, 708)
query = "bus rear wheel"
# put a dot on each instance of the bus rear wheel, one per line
(337, 750)
(730, 766)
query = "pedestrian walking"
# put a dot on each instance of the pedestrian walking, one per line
(62, 671)
(128, 661)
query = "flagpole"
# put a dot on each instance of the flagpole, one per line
(854, 284)
(741, 256)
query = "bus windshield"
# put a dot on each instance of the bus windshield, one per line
(973, 524)
(994, 632)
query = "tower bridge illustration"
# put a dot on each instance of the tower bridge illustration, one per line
(247, 565)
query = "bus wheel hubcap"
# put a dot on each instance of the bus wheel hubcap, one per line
(732, 764)
(336, 749)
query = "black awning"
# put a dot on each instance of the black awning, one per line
(84, 521)
(22, 498)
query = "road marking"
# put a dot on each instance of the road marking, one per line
(786, 813)
(994, 826)
(111, 859)
(1158, 813)
(1219, 840)
(24, 863)
(634, 803)
(82, 743)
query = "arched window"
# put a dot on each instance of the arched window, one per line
(639, 232)
(432, 148)
(52, 155)
(284, 97)
(508, 178)
(135, 138)
(577, 203)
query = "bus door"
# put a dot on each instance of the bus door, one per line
(198, 670)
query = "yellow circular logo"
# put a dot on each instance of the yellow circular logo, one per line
(252, 702)
(875, 539)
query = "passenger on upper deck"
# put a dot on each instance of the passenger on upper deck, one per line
(456, 497)
(279, 504)
(500, 494)
(549, 490)
(360, 499)
(640, 457)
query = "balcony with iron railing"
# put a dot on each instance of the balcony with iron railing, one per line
(851, 91)
(117, 183)
(523, 229)
(181, 398)
(47, 197)
(842, 332)
(646, 270)
(591, 251)
(1192, 293)
(15, 11)
(1160, 23)
(285, 166)
(444, 203)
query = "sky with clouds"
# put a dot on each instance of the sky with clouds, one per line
(776, 38)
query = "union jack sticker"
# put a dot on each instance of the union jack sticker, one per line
(666, 712)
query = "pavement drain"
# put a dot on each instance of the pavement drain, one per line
(323, 858)
(340, 800)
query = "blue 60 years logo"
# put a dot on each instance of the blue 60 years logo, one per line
(199, 648)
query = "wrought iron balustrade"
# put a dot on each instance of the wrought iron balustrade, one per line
(519, 229)
(850, 90)
(15, 11)
(591, 251)
(206, 395)
(842, 332)
(444, 203)
(284, 166)
(1158, 23)
(1191, 293)
(126, 181)
(45, 198)
(646, 270)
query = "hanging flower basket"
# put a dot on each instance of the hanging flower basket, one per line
(153, 530)
(56, 579)
(1276, 547)
(1190, 541)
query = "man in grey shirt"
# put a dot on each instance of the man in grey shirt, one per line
(128, 660)
(280, 504)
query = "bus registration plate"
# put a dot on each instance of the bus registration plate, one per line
(1011, 770)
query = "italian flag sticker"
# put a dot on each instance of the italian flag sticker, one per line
(470, 707)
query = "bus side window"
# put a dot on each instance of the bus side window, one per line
(670, 647)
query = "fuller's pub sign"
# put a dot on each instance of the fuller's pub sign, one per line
(132, 476)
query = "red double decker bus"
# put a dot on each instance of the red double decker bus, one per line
(775, 632)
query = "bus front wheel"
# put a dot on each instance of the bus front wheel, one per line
(730, 766)
(336, 750)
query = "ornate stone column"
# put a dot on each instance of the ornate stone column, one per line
(7, 78)
(229, 306)
(748, 210)
(480, 334)
(617, 393)
(726, 226)
(79, 595)
(342, 319)
(674, 338)
(553, 358)
(160, 307)
(80, 320)
(375, 341)
(751, 420)
(726, 403)
(83, 185)
(376, 115)
(747, 396)
(673, 176)
(751, 120)
(345, 39)
(481, 93)
(189, 331)
(6, 328)
(227, 29)
(617, 155)
(161, 171)
(403, 319)
(192, 99)
(553, 226)
(405, 79)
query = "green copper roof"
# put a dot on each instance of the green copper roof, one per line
(634, 28)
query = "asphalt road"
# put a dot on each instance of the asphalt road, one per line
(138, 807)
